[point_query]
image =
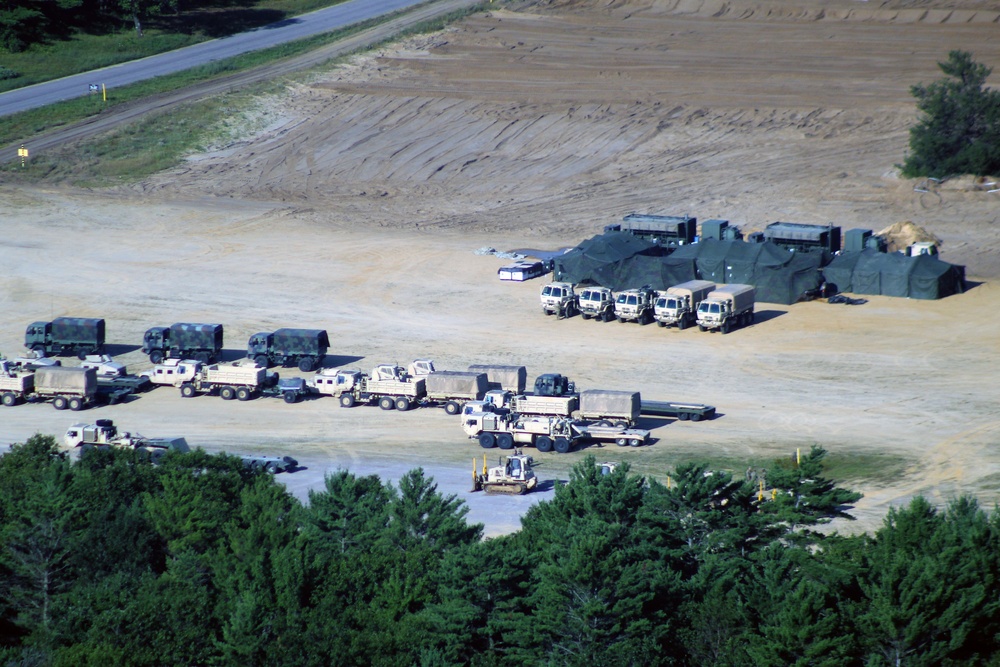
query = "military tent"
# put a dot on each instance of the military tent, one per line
(894, 274)
(601, 259)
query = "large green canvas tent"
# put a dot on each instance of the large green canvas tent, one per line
(894, 274)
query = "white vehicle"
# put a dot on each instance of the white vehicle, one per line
(635, 305)
(505, 429)
(559, 299)
(388, 385)
(922, 248)
(726, 308)
(678, 305)
(173, 372)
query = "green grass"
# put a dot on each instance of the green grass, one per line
(161, 141)
(84, 51)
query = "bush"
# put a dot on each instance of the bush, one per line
(959, 127)
(8, 73)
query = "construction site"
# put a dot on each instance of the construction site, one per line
(357, 202)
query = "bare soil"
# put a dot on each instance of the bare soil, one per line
(534, 126)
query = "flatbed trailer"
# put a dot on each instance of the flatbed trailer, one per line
(678, 410)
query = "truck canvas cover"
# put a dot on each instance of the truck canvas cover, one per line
(186, 336)
(302, 341)
(606, 401)
(457, 383)
(63, 378)
(78, 330)
(511, 378)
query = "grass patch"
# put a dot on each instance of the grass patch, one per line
(160, 142)
(117, 42)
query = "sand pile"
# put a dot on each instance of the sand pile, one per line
(903, 234)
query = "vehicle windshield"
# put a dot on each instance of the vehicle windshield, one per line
(587, 295)
(673, 303)
(547, 290)
(661, 303)
(633, 300)
(622, 298)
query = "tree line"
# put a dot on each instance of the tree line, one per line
(200, 561)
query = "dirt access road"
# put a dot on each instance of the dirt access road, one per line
(359, 207)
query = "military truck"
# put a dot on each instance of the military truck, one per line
(493, 429)
(559, 299)
(455, 388)
(678, 305)
(66, 336)
(103, 433)
(726, 308)
(73, 388)
(610, 408)
(635, 305)
(184, 340)
(305, 348)
(514, 476)
(16, 385)
(388, 385)
(510, 378)
(597, 303)
(229, 381)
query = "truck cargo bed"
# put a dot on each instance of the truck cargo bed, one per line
(678, 410)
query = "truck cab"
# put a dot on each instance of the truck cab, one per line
(333, 383)
(597, 302)
(635, 305)
(559, 299)
(173, 372)
(155, 343)
(669, 308)
(421, 367)
(554, 384)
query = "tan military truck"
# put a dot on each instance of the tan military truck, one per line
(597, 303)
(726, 308)
(241, 381)
(678, 305)
(388, 385)
(73, 388)
(15, 385)
(504, 430)
(559, 299)
(635, 305)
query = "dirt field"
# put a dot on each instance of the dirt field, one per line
(359, 209)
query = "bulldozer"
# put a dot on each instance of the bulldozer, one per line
(513, 476)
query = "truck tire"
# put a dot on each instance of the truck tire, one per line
(750, 317)
(695, 417)
(487, 440)
(290, 397)
(562, 445)
(725, 327)
(188, 390)
(244, 393)
(543, 443)
(307, 364)
(59, 402)
(546, 311)
(621, 424)
(585, 316)
(607, 316)
(684, 416)
(621, 442)
(701, 327)
(622, 320)
(635, 442)
(604, 422)
(155, 356)
(682, 323)
(452, 407)
(402, 404)
(39, 349)
(386, 403)
(9, 399)
(75, 404)
(347, 400)
(262, 360)
(81, 354)
(227, 393)
(271, 467)
(661, 323)
(505, 441)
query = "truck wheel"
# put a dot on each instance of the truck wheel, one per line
(621, 424)
(607, 316)
(271, 467)
(9, 399)
(402, 404)
(156, 356)
(604, 422)
(227, 393)
(307, 364)
(39, 349)
(81, 355)
(187, 390)
(682, 323)
(506, 441)
(262, 360)
(701, 327)
(75, 404)
(635, 442)
(59, 403)
(543, 443)
(562, 445)
(452, 407)
(487, 440)
(684, 416)
(386, 403)
(750, 317)
(621, 442)
(585, 316)
(661, 323)
(347, 400)
(290, 397)
(725, 327)
(244, 393)
(546, 311)
(622, 320)
(695, 417)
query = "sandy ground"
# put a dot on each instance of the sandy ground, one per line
(359, 208)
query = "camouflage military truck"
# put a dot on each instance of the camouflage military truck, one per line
(305, 348)
(199, 342)
(66, 336)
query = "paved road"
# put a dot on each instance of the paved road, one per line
(324, 20)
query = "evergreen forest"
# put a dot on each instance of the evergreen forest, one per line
(109, 560)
